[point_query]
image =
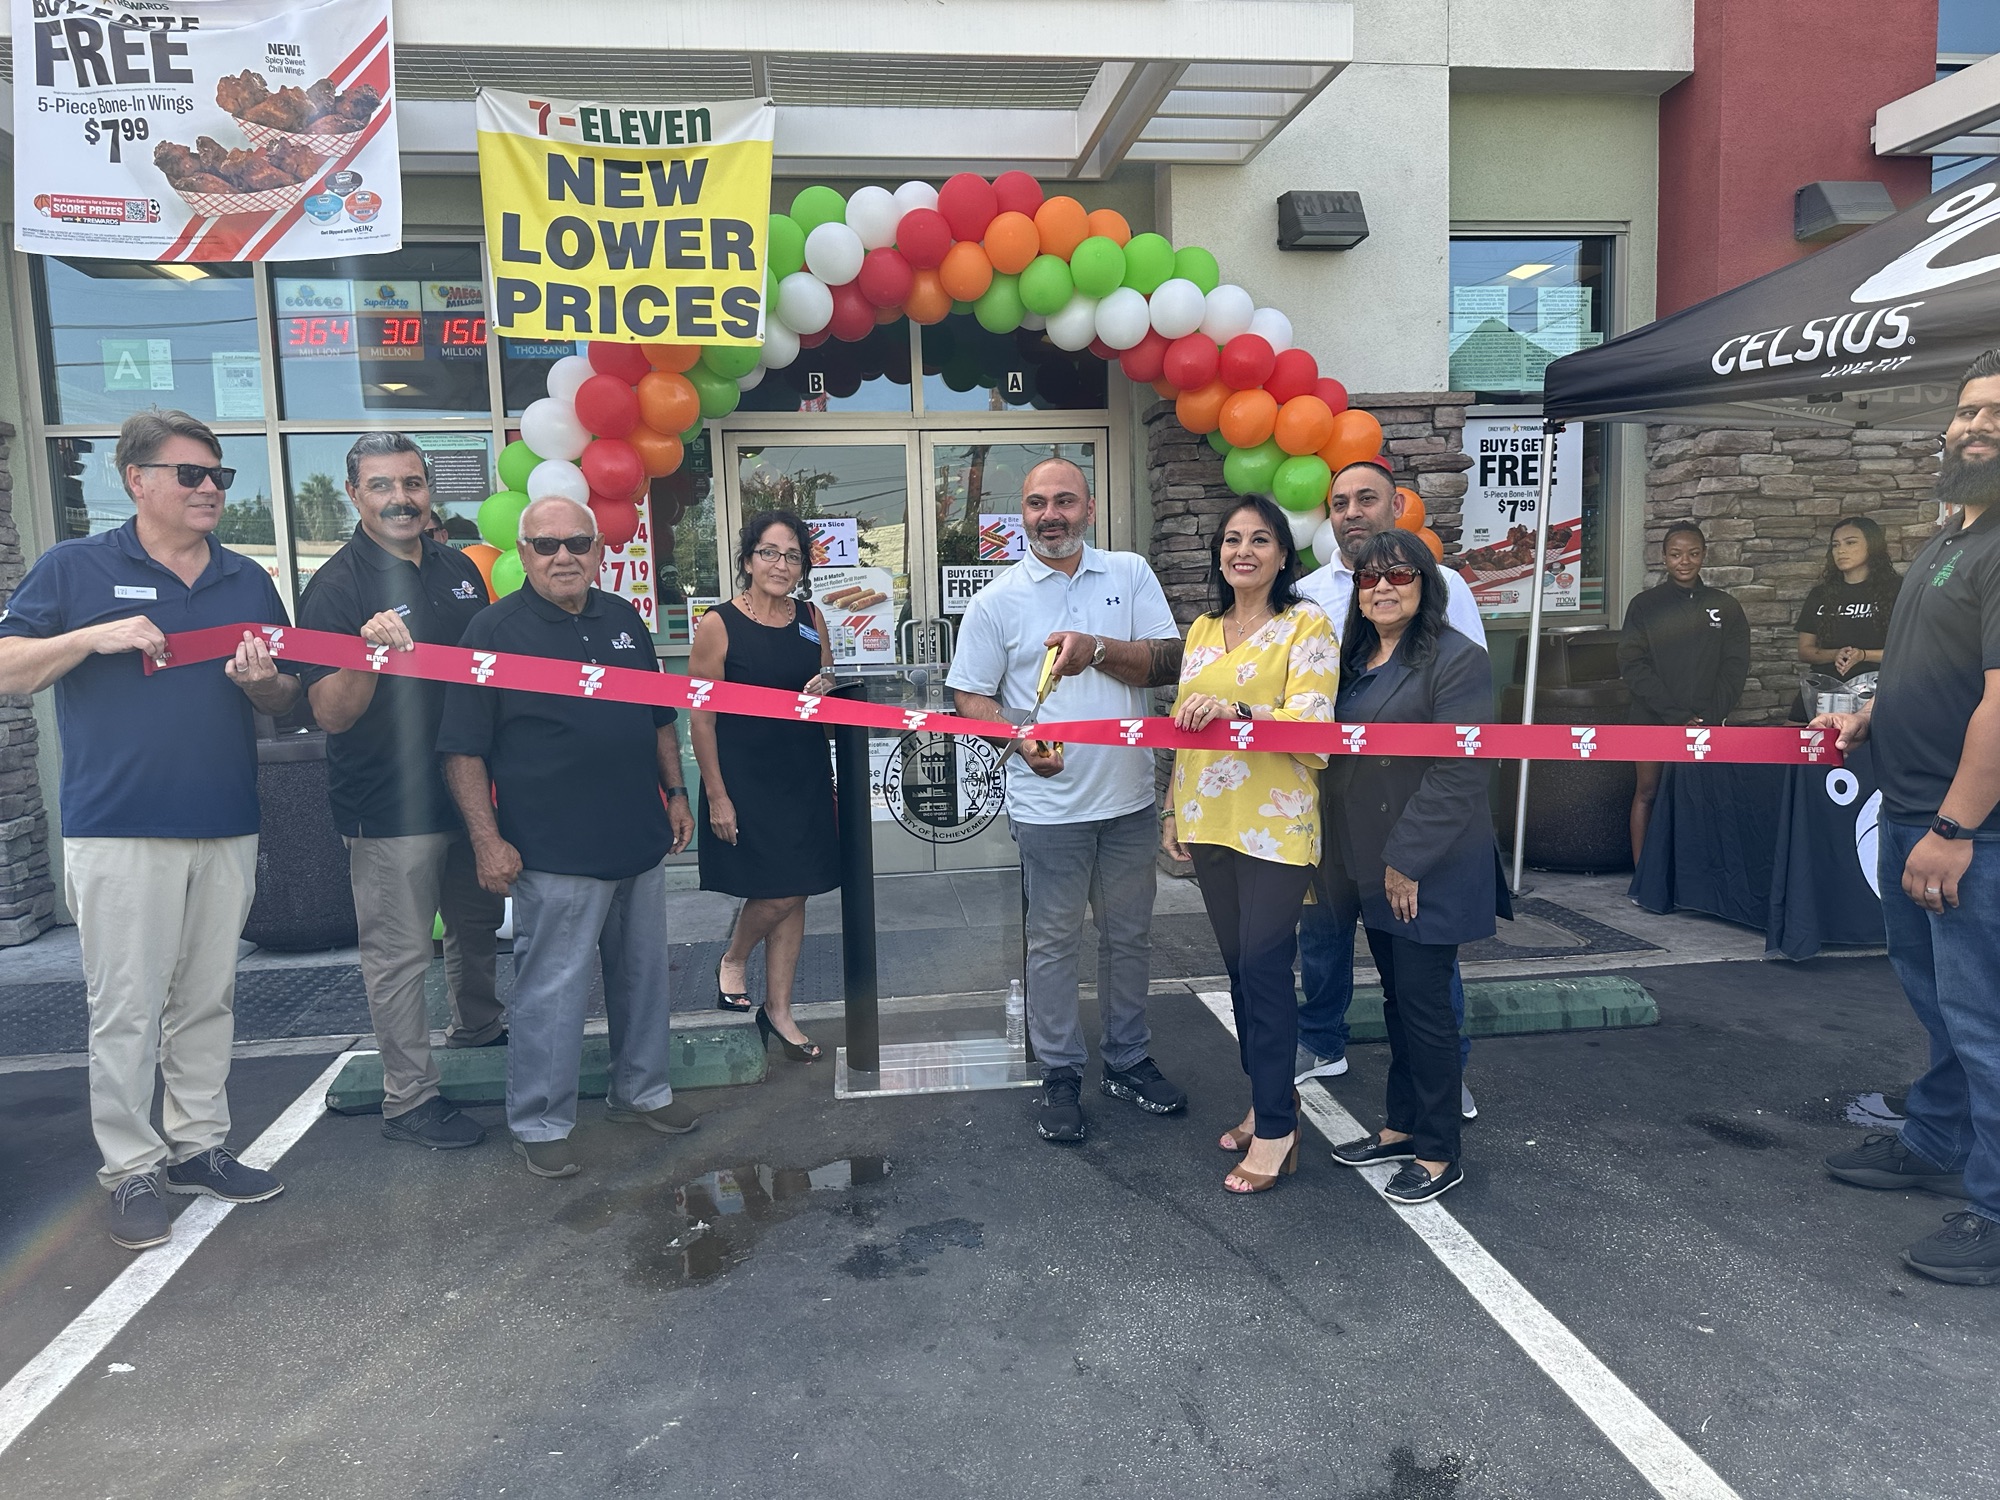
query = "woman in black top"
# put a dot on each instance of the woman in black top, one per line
(1844, 622)
(766, 784)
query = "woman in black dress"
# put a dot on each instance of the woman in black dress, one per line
(766, 784)
(1844, 623)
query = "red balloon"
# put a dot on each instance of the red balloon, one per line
(1145, 361)
(813, 340)
(968, 204)
(607, 406)
(612, 466)
(1017, 193)
(853, 314)
(1292, 374)
(1102, 350)
(617, 520)
(1190, 362)
(886, 278)
(924, 237)
(1246, 362)
(626, 362)
(1332, 392)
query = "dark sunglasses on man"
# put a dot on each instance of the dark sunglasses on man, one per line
(190, 476)
(1401, 576)
(548, 546)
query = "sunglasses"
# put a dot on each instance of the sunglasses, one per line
(549, 546)
(1401, 576)
(190, 476)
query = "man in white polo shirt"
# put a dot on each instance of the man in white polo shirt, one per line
(1084, 815)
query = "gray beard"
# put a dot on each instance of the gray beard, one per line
(1962, 483)
(1057, 551)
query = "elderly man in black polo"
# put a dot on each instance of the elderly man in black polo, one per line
(578, 836)
(408, 857)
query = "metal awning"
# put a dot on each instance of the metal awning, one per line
(1959, 115)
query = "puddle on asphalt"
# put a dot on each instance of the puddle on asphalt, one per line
(1410, 1478)
(1873, 1112)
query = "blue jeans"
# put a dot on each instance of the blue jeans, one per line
(1326, 972)
(1950, 968)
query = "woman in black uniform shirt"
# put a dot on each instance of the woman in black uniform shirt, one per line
(1845, 619)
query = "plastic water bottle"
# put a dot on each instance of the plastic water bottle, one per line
(1017, 1015)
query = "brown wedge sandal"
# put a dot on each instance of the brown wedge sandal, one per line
(1263, 1182)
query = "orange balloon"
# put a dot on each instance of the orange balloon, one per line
(1111, 224)
(659, 452)
(1356, 436)
(483, 557)
(1062, 225)
(668, 401)
(1166, 388)
(928, 301)
(1433, 541)
(1412, 518)
(1200, 411)
(1247, 417)
(675, 359)
(1011, 242)
(966, 272)
(1304, 425)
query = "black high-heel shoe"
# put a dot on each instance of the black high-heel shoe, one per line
(797, 1053)
(737, 1000)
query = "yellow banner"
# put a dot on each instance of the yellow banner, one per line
(638, 224)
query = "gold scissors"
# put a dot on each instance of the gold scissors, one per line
(1043, 688)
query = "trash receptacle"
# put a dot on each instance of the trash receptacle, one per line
(1578, 811)
(304, 902)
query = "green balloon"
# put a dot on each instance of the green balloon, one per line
(1249, 471)
(961, 308)
(730, 361)
(507, 573)
(1000, 309)
(1097, 266)
(1149, 260)
(816, 206)
(517, 462)
(1301, 483)
(500, 517)
(719, 394)
(1192, 263)
(1307, 562)
(694, 431)
(1046, 285)
(1219, 443)
(788, 247)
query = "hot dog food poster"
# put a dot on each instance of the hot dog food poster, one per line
(860, 609)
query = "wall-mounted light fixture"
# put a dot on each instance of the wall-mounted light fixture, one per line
(1320, 221)
(1823, 211)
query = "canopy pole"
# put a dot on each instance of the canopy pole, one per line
(1549, 431)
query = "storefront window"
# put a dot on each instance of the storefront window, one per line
(871, 375)
(968, 369)
(323, 518)
(1517, 305)
(524, 369)
(120, 336)
(90, 497)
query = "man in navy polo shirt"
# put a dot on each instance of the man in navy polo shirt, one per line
(578, 837)
(408, 857)
(159, 807)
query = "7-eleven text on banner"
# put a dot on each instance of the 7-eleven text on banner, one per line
(630, 223)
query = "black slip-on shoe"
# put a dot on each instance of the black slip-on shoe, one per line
(1966, 1252)
(1146, 1086)
(136, 1217)
(1883, 1161)
(435, 1124)
(674, 1118)
(1371, 1149)
(1060, 1117)
(216, 1173)
(1414, 1184)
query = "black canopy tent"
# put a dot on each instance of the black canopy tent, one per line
(1873, 331)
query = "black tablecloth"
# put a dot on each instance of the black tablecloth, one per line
(1823, 878)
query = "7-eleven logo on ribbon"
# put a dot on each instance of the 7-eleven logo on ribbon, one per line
(807, 706)
(376, 656)
(1356, 736)
(915, 718)
(1468, 738)
(1698, 745)
(1240, 733)
(1583, 740)
(484, 664)
(1812, 744)
(1131, 731)
(274, 638)
(698, 690)
(591, 680)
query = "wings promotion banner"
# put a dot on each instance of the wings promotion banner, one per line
(221, 130)
(633, 223)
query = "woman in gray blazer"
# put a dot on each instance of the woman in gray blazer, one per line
(1415, 836)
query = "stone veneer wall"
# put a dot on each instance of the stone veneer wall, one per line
(1767, 500)
(27, 891)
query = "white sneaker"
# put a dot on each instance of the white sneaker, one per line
(1306, 1065)
(1467, 1110)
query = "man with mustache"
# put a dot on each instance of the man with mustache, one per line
(1935, 723)
(408, 856)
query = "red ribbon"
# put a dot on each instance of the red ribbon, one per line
(541, 674)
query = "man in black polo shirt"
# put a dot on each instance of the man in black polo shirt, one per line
(1935, 723)
(408, 857)
(579, 836)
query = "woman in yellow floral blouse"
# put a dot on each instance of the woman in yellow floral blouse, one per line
(1249, 819)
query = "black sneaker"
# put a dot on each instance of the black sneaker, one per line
(1371, 1149)
(435, 1124)
(216, 1173)
(1966, 1252)
(1414, 1184)
(137, 1218)
(1146, 1086)
(1883, 1161)
(676, 1118)
(1061, 1117)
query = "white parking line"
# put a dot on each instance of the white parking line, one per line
(70, 1353)
(1648, 1444)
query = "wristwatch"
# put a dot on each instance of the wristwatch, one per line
(1244, 710)
(1947, 828)
(1097, 656)
(676, 791)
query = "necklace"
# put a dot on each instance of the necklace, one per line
(744, 603)
(1243, 628)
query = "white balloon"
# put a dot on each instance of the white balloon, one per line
(550, 426)
(1305, 524)
(1176, 308)
(751, 381)
(804, 303)
(1273, 327)
(872, 213)
(1076, 325)
(1324, 545)
(1034, 322)
(915, 195)
(1123, 318)
(558, 479)
(1228, 313)
(567, 375)
(833, 254)
(781, 345)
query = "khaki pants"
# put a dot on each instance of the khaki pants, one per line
(400, 884)
(159, 921)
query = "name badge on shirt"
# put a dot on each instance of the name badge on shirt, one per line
(809, 633)
(134, 591)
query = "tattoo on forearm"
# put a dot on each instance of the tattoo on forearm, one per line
(1163, 663)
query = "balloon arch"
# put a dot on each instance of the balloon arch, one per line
(617, 418)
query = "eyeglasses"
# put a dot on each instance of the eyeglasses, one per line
(410, 484)
(190, 476)
(1401, 576)
(773, 555)
(548, 546)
